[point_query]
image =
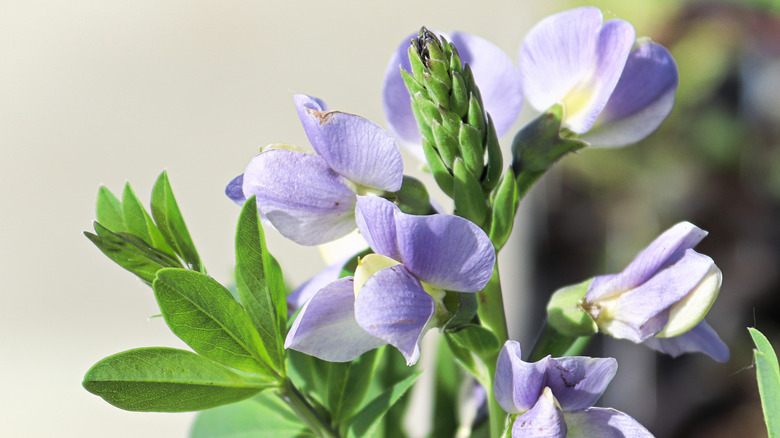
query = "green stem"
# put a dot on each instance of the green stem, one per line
(305, 411)
(491, 308)
(496, 413)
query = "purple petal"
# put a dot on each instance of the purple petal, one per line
(326, 326)
(301, 196)
(604, 423)
(353, 146)
(544, 420)
(325, 277)
(393, 306)
(701, 338)
(496, 76)
(375, 219)
(663, 250)
(235, 190)
(614, 44)
(578, 382)
(642, 99)
(643, 311)
(518, 384)
(395, 96)
(557, 54)
(445, 251)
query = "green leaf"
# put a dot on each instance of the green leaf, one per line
(131, 253)
(476, 339)
(262, 416)
(348, 385)
(205, 315)
(138, 222)
(260, 285)
(168, 380)
(768, 377)
(168, 217)
(367, 419)
(109, 210)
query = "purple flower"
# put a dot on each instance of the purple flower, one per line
(310, 198)
(494, 72)
(662, 296)
(396, 293)
(554, 397)
(616, 90)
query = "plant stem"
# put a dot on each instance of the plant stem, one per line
(496, 413)
(305, 411)
(491, 308)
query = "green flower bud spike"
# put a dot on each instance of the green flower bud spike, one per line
(456, 131)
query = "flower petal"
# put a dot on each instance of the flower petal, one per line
(690, 311)
(496, 76)
(375, 219)
(642, 99)
(326, 326)
(301, 196)
(664, 249)
(544, 420)
(585, 103)
(557, 54)
(395, 97)
(701, 338)
(603, 423)
(325, 277)
(445, 251)
(234, 190)
(353, 146)
(393, 306)
(518, 384)
(578, 382)
(643, 311)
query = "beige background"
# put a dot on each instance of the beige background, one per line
(100, 92)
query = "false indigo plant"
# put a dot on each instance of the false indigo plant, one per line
(316, 362)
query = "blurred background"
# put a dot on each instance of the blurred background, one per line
(103, 92)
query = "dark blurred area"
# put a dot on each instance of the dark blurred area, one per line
(714, 162)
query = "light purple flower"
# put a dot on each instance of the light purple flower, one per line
(310, 198)
(554, 397)
(396, 293)
(494, 72)
(662, 296)
(615, 91)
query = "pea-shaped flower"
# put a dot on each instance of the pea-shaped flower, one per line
(659, 299)
(310, 198)
(662, 296)
(554, 397)
(395, 295)
(614, 91)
